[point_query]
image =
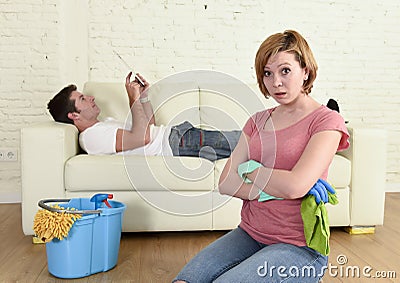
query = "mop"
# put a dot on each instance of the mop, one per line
(49, 225)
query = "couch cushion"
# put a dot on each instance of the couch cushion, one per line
(175, 100)
(339, 214)
(155, 173)
(158, 211)
(339, 173)
(219, 112)
(175, 103)
(172, 103)
(228, 107)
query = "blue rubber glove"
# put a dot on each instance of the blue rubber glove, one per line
(320, 191)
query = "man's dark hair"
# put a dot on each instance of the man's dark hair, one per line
(61, 104)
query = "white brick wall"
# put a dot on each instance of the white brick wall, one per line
(28, 73)
(47, 44)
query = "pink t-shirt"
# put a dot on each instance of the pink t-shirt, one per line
(279, 221)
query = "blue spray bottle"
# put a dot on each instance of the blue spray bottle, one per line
(99, 198)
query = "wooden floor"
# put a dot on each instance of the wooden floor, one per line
(158, 257)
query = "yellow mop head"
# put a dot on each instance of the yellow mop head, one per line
(49, 225)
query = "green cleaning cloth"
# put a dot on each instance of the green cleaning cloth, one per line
(248, 167)
(316, 223)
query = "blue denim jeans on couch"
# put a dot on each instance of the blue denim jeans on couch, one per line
(187, 140)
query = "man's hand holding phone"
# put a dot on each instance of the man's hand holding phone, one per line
(135, 89)
(132, 88)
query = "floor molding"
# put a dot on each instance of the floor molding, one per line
(10, 197)
(392, 188)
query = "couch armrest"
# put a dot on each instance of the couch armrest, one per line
(44, 149)
(367, 153)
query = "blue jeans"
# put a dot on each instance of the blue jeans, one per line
(237, 257)
(186, 140)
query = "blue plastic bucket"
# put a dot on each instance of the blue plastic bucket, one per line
(92, 244)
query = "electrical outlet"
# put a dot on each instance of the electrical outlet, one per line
(8, 154)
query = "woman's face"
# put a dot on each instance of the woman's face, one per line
(284, 77)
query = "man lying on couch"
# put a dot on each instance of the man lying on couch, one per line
(142, 136)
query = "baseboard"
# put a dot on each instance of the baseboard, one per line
(10, 197)
(392, 188)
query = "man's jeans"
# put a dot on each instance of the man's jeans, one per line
(186, 140)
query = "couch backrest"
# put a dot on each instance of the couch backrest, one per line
(110, 97)
(223, 105)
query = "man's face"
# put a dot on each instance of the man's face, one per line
(85, 106)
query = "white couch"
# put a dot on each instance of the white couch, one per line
(180, 193)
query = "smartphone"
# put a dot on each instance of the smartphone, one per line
(127, 65)
(139, 80)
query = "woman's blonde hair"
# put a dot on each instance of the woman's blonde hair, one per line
(288, 41)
